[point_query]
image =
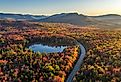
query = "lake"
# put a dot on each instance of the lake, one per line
(45, 48)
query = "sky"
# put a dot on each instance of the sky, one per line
(49, 7)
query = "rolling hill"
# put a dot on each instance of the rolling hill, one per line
(20, 17)
(102, 21)
(72, 18)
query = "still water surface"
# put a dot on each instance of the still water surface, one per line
(45, 48)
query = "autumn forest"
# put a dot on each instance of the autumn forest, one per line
(18, 63)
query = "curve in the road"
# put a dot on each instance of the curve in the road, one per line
(78, 64)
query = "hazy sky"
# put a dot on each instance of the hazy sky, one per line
(48, 7)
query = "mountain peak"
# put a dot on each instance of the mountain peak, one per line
(72, 13)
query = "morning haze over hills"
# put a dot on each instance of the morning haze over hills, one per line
(108, 20)
(60, 41)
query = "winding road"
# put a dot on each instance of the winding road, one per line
(78, 64)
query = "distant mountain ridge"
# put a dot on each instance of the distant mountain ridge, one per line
(107, 15)
(20, 16)
(72, 18)
(108, 20)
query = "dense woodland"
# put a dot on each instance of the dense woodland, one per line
(17, 63)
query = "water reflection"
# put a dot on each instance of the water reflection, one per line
(45, 48)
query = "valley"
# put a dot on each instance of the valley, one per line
(102, 61)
